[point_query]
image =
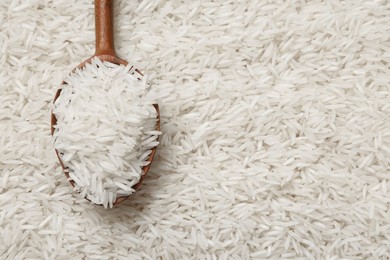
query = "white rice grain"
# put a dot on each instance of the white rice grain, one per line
(106, 102)
(289, 96)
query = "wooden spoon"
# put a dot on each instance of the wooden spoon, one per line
(105, 51)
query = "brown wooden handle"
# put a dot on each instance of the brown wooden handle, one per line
(104, 27)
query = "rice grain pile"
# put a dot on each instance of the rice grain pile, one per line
(276, 131)
(105, 129)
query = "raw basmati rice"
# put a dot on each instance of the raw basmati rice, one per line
(269, 112)
(105, 129)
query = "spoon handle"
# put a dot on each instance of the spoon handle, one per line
(104, 24)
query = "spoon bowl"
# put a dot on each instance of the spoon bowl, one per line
(105, 51)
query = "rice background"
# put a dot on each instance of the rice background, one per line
(276, 122)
